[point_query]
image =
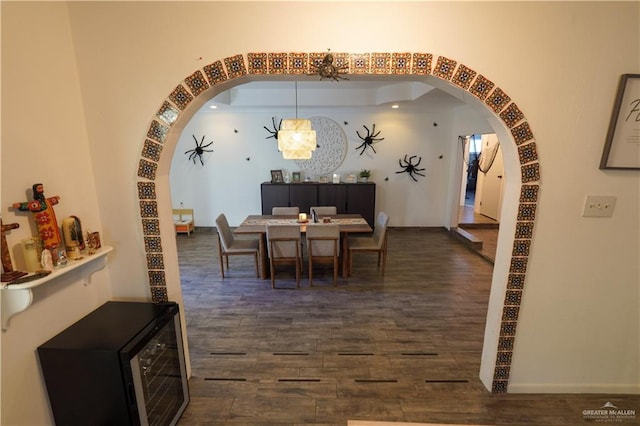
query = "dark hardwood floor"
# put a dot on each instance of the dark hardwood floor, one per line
(482, 228)
(401, 348)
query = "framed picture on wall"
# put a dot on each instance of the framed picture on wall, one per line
(296, 177)
(276, 176)
(622, 147)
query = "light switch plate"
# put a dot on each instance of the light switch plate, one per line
(599, 206)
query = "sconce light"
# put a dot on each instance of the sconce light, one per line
(296, 138)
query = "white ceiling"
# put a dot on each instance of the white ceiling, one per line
(357, 91)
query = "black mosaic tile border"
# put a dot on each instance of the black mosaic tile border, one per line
(398, 63)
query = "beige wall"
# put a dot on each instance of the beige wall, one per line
(79, 92)
(44, 139)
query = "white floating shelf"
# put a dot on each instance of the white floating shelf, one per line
(18, 297)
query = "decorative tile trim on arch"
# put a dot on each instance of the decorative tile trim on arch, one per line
(385, 63)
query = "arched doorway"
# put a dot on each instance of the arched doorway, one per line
(505, 116)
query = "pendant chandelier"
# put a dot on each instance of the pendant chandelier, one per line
(296, 138)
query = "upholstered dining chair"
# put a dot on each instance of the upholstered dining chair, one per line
(324, 210)
(323, 247)
(280, 211)
(283, 244)
(229, 246)
(377, 243)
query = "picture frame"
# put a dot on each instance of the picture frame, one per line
(296, 177)
(622, 146)
(277, 176)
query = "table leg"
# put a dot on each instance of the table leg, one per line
(344, 251)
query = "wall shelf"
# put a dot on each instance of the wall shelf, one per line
(18, 297)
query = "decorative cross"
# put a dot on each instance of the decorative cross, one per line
(8, 273)
(44, 215)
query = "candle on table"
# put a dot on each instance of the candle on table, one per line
(302, 217)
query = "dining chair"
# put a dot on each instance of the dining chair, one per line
(283, 244)
(323, 247)
(324, 210)
(377, 243)
(230, 246)
(280, 211)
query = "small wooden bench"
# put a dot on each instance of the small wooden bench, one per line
(184, 221)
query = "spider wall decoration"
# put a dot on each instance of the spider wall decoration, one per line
(274, 132)
(409, 167)
(326, 69)
(368, 140)
(199, 150)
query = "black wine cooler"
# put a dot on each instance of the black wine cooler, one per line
(123, 364)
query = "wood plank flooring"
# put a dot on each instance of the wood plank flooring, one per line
(481, 227)
(401, 348)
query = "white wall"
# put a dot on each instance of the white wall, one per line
(229, 183)
(579, 320)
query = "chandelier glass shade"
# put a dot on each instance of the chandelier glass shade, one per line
(296, 155)
(296, 138)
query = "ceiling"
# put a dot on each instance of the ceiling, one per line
(357, 91)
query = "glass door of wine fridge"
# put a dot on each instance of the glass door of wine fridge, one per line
(159, 377)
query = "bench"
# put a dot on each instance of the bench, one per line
(184, 221)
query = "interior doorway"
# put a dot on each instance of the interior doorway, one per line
(473, 147)
(481, 193)
(504, 115)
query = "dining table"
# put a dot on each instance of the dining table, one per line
(347, 223)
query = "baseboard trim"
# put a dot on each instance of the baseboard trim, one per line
(607, 389)
(374, 423)
(419, 228)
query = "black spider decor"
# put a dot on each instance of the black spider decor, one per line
(273, 133)
(326, 69)
(409, 167)
(199, 150)
(368, 140)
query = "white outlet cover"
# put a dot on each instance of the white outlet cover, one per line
(599, 206)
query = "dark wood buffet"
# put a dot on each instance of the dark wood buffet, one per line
(349, 198)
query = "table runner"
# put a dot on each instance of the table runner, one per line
(288, 221)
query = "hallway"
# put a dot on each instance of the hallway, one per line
(405, 347)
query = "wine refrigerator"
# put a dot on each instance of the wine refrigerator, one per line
(122, 364)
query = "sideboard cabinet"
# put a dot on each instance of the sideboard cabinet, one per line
(351, 198)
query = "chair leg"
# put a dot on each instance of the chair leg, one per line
(335, 270)
(256, 261)
(383, 253)
(310, 271)
(226, 261)
(298, 269)
(220, 255)
(273, 272)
